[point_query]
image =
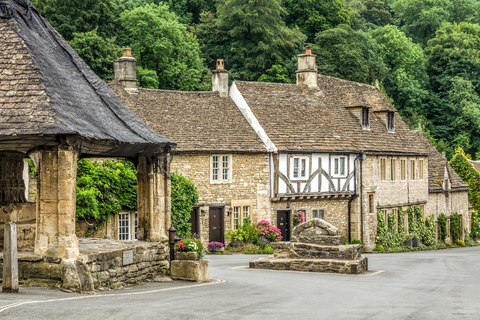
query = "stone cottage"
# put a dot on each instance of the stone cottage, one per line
(55, 110)
(335, 149)
(217, 149)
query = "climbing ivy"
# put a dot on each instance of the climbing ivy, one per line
(467, 172)
(184, 197)
(401, 219)
(104, 188)
(388, 236)
(428, 236)
(412, 226)
(442, 227)
(455, 227)
(475, 230)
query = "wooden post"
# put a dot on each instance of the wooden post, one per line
(10, 259)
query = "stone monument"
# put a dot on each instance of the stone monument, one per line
(315, 246)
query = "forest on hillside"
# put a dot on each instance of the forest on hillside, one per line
(425, 53)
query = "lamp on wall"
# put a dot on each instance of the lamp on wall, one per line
(288, 205)
(203, 212)
(229, 212)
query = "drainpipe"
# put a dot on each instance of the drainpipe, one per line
(362, 157)
(350, 203)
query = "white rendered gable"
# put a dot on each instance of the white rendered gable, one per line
(242, 105)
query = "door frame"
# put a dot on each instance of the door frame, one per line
(289, 231)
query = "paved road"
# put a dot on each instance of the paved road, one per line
(436, 285)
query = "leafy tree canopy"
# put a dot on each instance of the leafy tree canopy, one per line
(313, 16)
(162, 44)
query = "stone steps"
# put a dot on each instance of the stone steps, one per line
(299, 250)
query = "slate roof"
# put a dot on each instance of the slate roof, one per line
(46, 90)
(197, 121)
(296, 118)
(475, 164)
(436, 168)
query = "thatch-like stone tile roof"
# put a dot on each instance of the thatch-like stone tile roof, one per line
(296, 118)
(46, 90)
(197, 121)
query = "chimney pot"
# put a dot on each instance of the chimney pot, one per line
(127, 52)
(220, 79)
(308, 51)
(126, 69)
(307, 69)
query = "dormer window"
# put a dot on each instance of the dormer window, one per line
(390, 122)
(365, 118)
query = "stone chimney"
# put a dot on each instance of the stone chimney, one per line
(126, 69)
(220, 79)
(307, 69)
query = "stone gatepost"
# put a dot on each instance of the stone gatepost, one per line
(153, 194)
(10, 259)
(56, 202)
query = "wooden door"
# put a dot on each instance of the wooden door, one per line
(283, 223)
(216, 225)
(195, 221)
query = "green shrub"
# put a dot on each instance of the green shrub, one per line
(356, 241)
(388, 237)
(442, 227)
(428, 236)
(475, 230)
(184, 197)
(401, 220)
(460, 243)
(246, 233)
(412, 226)
(379, 248)
(455, 227)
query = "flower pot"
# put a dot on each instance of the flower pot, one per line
(408, 243)
(415, 243)
(186, 255)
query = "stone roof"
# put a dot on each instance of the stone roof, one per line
(47, 91)
(436, 168)
(297, 118)
(197, 121)
(475, 164)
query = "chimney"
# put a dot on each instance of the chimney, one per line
(307, 69)
(220, 79)
(126, 69)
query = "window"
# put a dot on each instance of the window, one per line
(299, 168)
(420, 170)
(412, 169)
(318, 213)
(371, 203)
(339, 166)
(365, 118)
(383, 169)
(393, 169)
(125, 229)
(240, 213)
(403, 169)
(390, 121)
(221, 168)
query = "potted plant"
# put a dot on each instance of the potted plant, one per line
(408, 241)
(215, 246)
(189, 249)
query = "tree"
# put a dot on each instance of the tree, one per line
(97, 52)
(406, 80)
(162, 44)
(277, 73)
(313, 16)
(184, 197)
(348, 54)
(79, 16)
(252, 36)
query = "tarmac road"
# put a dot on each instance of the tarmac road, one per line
(442, 284)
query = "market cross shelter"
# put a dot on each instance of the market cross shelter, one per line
(55, 110)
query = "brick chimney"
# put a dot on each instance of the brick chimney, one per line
(307, 69)
(220, 79)
(126, 69)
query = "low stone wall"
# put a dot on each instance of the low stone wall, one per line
(24, 215)
(103, 264)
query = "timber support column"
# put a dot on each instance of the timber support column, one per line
(56, 202)
(153, 175)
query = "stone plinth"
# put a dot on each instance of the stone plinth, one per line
(315, 247)
(191, 270)
(186, 255)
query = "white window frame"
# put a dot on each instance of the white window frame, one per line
(240, 211)
(301, 160)
(339, 174)
(221, 168)
(316, 213)
(127, 226)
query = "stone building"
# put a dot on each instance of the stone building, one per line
(55, 110)
(335, 149)
(217, 149)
